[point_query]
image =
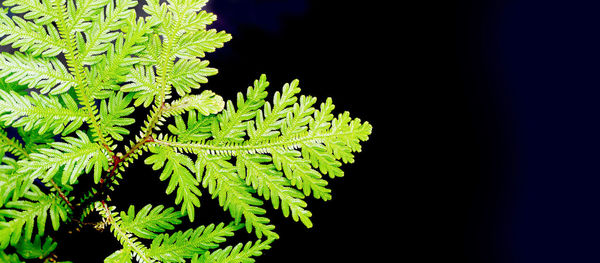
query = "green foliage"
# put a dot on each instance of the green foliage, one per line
(68, 92)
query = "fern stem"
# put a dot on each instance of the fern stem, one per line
(61, 194)
(260, 147)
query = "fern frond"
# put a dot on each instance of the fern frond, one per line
(188, 74)
(68, 29)
(220, 178)
(12, 145)
(9, 258)
(198, 127)
(269, 183)
(120, 256)
(104, 28)
(206, 103)
(239, 253)
(112, 115)
(46, 74)
(107, 75)
(183, 245)
(269, 160)
(19, 217)
(75, 156)
(270, 119)
(142, 81)
(27, 36)
(177, 168)
(232, 122)
(33, 140)
(129, 242)
(39, 112)
(300, 173)
(13, 185)
(198, 43)
(41, 12)
(149, 221)
(36, 250)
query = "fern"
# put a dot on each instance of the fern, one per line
(79, 70)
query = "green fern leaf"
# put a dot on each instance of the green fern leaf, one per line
(46, 74)
(206, 103)
(24, 215)
(271, 185)
(232, 122)
(129, 242)
(198, 43)
(220, 178)
(41, 12)
(143, 83)
(183, 245)
(239, 253)
(198, 127)
(112, 115)
(36, 249)
(119, 256)
(300, 173)
(43, 113)
(27, 36)
(12, 145)
(147, 222)
(105, 28)
(188, 74)
(9, 258)
(177, 168)
(13, 185)
(75, 156)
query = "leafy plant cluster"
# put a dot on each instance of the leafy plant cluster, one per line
(78, 71)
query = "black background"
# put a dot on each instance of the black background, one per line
(484, 146)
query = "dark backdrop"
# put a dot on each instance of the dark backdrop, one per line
(485, 141)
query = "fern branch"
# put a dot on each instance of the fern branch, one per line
(220, 178)
(177, 168)
(75, 66)
(239, 253)
(47, 74)
(125, 238)
(29, 36)
(182, 245)
(12, 145)
(40, 112)
(26, 214)
(234, 149)
(75, 155)
(206, 103)
(16, 148)
(40, 11)
(148, 220)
